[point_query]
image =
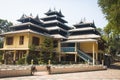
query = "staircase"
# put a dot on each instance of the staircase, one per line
(84, 56)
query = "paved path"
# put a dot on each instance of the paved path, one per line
(110, 74)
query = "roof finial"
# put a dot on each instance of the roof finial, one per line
(93, 22)
(49, 10)
(81, 21)
(37, 18)
(31, 15)
(54, 9)
(84, 20)
(23, 16)
(60, 11)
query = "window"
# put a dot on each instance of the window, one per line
(21, 40)
(68, 44)
(35, 41)
(9, 40)
(55, 43)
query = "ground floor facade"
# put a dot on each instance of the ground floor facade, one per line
(72, 52)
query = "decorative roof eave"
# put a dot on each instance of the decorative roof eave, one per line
(80, 40)
(55, 28)
(60, 24)
(82, 24)
(28, 23)
(81, 29)
(58, 36)
(24, 31)
(54, 12)
(36, 19)
(86, 36)
(14, 48)
(54, 16)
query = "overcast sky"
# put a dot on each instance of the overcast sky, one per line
(73, 10)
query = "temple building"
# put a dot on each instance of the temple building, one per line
(55, 24)
(82, 43)
(72, 44)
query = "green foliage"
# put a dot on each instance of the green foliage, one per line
(21, 61)
(111, 9)
(32, 56)
(4, 25)
(1, 55)
(47, 50)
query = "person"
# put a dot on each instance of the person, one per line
(33, 69)
(48, 68)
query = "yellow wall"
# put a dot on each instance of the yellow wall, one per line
(27, 40)
(58, 49)
(16, 41)
(41, 38)
(88, 47)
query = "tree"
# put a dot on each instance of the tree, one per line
(102, 42)
(4, 27)
(46, 50)
(111, 9)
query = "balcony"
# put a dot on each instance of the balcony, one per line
(67, 49)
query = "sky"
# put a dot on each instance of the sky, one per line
(73, 10)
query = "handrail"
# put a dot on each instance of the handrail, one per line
(84, 56)
(67, 49)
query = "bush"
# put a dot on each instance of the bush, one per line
(21, 61)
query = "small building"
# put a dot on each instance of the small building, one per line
(71, 44)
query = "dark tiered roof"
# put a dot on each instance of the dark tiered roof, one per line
(84, 30)
(30, 18)
(49, 18)
(50, 12)
(83, 25)
(30, 23)
(55, 23)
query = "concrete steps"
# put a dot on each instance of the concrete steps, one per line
(40, 73)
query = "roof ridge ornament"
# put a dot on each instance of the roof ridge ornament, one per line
(31, 15)
(37, 18)
(81, 21)
(49, 10)
(54, 9)
(23, 16)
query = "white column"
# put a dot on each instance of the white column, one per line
(75, 47)
(3, 57)
(75, 57)
(27, 52)
(97, 51)
(14, 57)
(59, 57)
(93, 54)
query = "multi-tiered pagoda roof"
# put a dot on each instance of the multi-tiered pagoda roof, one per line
(55, 24)
(29, 23)
(83, 32)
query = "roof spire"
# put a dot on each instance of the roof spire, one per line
(54, 9)
(49, 10)
(84, 20)
(23, 16)
(93, 23)
(60, 11)
(81, 21)
(37, 18)
(31, 15)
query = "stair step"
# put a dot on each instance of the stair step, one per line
(41, 73)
